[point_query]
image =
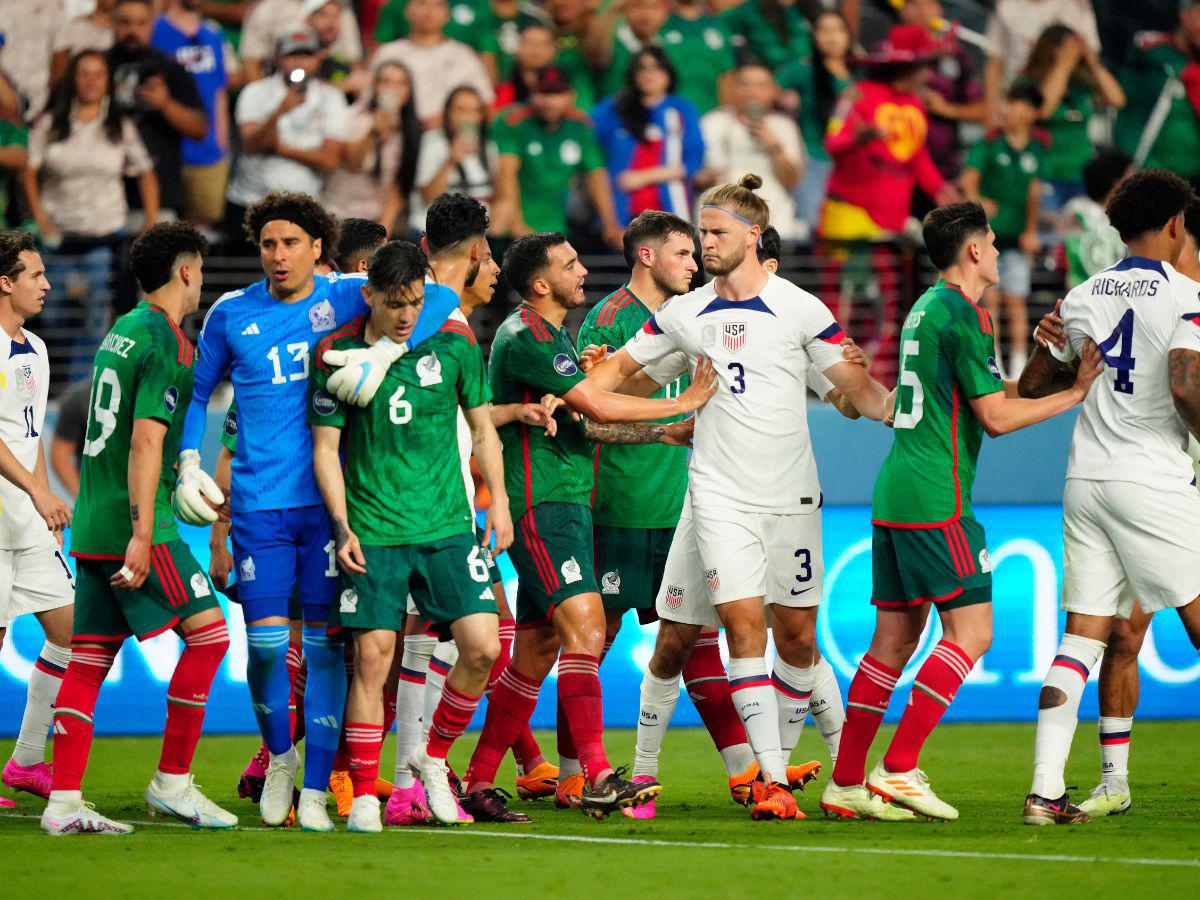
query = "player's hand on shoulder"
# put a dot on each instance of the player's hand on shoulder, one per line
(498, 522)
(679, 434)
(852, 353)
(1050, 330)
(360, 371)
(197, 498)
(591, 356)
(1091, 367)
(704, 385)
(133, 572)
(55, 513)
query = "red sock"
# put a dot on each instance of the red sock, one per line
(73, 710)
(579, 694)
(508, 631)
(525, 749)
(389, 705)
(187, 695)
(363, 743)
(509, 710)
(933, 691)
(707, 684)
(566, 743)
(450, 720)
(298, 676)
(866, 702)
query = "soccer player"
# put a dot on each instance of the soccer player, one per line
(928, 549)
(550, 481)
(755, 538)
(357, 239)
(135, 574)
(1129, 470)
(283, 544)
(35, 578)
(421, 539)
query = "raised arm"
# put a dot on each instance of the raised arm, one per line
(1000, 413)
(603, 406)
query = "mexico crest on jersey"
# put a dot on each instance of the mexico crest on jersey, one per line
(429, 370)
(674, 596)
(611, 583)
(734, 336)
(322, 316)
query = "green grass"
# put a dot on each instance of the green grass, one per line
(983, 769)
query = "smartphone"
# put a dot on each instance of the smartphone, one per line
(299, 79)
(755, 112)
(469, 131)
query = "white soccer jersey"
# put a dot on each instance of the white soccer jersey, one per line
(1137, 312)
(751, 446)
(24, 384)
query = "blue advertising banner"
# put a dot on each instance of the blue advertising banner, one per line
(1025, 544)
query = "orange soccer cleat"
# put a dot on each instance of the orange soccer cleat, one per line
(741, 787)
(569, 792)
(773, 801)
(342, 790)
(541, 782)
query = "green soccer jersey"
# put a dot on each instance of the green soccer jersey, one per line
(532, 358)
(1154, 63)
(404, 482)
(143, 370)
(946, 359)
(702, 51)
(1005, 174)
(550, 159)
(636, 486)
(753, 32)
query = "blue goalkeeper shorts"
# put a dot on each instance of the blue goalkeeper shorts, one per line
(278, 553)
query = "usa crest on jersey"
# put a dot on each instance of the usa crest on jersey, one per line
(734, 336)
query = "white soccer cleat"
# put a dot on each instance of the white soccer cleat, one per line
(280, 781)
(435, 776)
(364, 815)
(312, 812)
(910, 789)
(81, 819)
(188, 805)
(856, 802)
(1107, 800)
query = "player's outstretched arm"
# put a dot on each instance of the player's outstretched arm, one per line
(603, 406)
(55, 513)
(608, 371)
(327, 466)
(867, 396)
(145, 469)
(851, 353)
(1183, 373)
(644, 382)
(538, 415)
(1001, 414)
(485, 444)
(1047, 373)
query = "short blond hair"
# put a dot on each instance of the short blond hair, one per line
(740, 199)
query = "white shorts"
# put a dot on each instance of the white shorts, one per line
(34, 579)
(718, 556)
(1124, 542)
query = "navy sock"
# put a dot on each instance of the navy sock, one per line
(324, 703)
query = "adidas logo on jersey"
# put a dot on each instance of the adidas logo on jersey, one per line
(252, 328)
(327, 721)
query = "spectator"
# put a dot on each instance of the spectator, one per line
(954, 94)
(269, 17)
(621, 31)
(651, 139)
(1091, 244)
(200, 49)
(1072, 80)
(459, 157)
(14, 141)
(537, 49)
(1153, 69)
(79, 151)
(816, 88)
(1013, 28)
(574, 21)
(383, 143)
(775, 31)
(325, 18)
(701, 48)
(30, 29)
(292, 127)
(231, 15)
(159, 96)
(70, 431)
(543, 146)
(1002, 173)
(91, 32)
(746, 136)
(437, 63)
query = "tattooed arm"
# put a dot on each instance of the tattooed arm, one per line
(327, 466)
(1183, 373)
(677, 434)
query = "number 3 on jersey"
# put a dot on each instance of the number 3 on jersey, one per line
(1118, 353)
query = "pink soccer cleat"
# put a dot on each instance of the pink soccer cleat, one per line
(407, 806)
(33, 779)
(5, 803)
(250, 785)
(646, 810)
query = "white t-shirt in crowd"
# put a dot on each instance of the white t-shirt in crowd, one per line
(436, 71)
(1015, 25)
(472, 177)
(269, 17)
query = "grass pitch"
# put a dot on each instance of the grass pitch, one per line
(701, 845)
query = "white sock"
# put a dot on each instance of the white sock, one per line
(1056, 725)
(657, 705)
(410, 692)
(290, 756)
(444, 658)
(317, 795)
(737, 758)
(1114, 751)
(793, 691)
(62, 801)
(44, 682)
(568, 766)
(168, 783)
(754, 700)
(826, 707)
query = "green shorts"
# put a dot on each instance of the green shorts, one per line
(629, 567)
(448, 579)
(948, 566)
(176, 589)
(552, 553)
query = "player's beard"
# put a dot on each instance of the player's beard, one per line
(671, 287)
(568, 301)
(472, 274)
(726, 264)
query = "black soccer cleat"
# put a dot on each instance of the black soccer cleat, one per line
(491, 805)
(614, 793)
(1043, 811)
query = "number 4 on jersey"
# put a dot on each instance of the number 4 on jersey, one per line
(1118, 353)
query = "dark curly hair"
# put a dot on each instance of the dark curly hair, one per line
(357, 239)
(12, 245)
(303, 210)
(155, 254)
(1146, 201)
(527, 256)
(453, 218)
(396, 265)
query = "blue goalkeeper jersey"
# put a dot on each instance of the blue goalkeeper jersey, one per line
(264, 346)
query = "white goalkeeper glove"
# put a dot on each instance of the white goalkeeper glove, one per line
(195, 491)
(360, 372)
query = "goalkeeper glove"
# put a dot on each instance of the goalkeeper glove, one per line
(360, 372)
(195, 491)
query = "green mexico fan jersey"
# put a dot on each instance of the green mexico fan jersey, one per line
(143, 370)
(404, 482)
(946, 358)
(636, 486)
(532, 358)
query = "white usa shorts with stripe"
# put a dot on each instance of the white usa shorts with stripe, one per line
(34, 579)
